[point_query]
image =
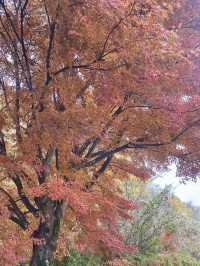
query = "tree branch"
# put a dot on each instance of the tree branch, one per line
(101, 155)
(22, 195)
(52, 27)
(20, 218)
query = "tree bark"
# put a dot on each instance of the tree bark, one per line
(48, 232)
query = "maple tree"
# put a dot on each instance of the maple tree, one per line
(90, 92)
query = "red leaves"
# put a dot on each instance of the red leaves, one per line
(114, 242)
(131, 168)
(36, 191)
(100, 224)
(78, 203)
(12, 250)
(96, 213)
(100, 50)
(105, 239)
(176, 107)
(56, 189)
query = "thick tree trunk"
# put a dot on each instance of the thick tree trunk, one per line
(42, 255)
(47, 232)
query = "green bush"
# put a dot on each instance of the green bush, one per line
(76, 259)
(172, 259)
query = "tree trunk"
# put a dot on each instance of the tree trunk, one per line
(48, 232)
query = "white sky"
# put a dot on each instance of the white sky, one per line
(188, 192)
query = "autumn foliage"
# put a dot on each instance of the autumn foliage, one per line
(90, 92)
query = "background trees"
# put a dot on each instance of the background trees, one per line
(83, 82)
(162, 227)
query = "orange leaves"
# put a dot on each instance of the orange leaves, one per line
(113, 73)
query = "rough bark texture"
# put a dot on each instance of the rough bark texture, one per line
(48, 232)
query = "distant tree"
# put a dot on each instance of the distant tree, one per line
(161, 223)
(153, 218)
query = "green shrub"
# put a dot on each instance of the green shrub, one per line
(76, 259)
(171, 259)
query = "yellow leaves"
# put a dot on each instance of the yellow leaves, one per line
(180, 207)
(134, 187)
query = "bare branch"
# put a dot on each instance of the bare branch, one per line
(52, 27)
(18, 216)
(101, 155)
(22, 195)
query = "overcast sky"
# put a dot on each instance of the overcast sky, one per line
(188, 192)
